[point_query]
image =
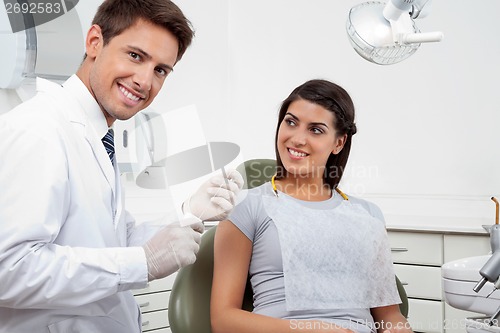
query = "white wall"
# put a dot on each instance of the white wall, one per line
(201, 77)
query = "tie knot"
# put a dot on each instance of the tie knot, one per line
(109, 144)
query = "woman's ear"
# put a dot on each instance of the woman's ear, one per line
(339, 144)
(94, 41)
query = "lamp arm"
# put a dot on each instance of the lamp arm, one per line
(395, 8)
(420, 9)
(403, 32)
(416, 8)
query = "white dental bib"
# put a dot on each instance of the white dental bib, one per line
(332, 258)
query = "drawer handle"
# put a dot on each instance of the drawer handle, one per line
(146, 323)
(143, 305)
(399, 249)
(404, 283)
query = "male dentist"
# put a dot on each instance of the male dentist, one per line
(69, 251)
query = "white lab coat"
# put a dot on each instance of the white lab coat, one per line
(64, 261)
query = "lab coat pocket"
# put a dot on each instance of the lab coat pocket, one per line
(87, 324)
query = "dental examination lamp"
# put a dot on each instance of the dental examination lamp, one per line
(386, 34)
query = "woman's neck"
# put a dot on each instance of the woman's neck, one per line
(304, 188)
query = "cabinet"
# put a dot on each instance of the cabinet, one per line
(153, 301)
(417, 257)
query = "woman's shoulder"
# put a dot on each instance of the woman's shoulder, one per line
(372, 208)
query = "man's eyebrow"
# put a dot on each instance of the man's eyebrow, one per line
(148, 56)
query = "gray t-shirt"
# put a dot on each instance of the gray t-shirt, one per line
(266, 266)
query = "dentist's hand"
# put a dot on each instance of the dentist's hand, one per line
(215, 198)
(172, 248)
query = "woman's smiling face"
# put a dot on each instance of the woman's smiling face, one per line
(306, 138)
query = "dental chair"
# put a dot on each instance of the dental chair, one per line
(189, 304)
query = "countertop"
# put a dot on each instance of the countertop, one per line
(438, 224)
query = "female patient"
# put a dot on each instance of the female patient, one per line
(318, 260)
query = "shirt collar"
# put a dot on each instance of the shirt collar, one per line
(77, 89)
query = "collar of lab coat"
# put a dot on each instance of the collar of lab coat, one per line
(93, 112)
(95, 124)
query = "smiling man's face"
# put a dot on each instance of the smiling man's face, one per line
(127, 73)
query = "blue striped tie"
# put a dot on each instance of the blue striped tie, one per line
(109, 144)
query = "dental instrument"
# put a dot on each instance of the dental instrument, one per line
(491, 270)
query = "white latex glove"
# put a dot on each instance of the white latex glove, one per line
(215, 198)
(172, 248)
